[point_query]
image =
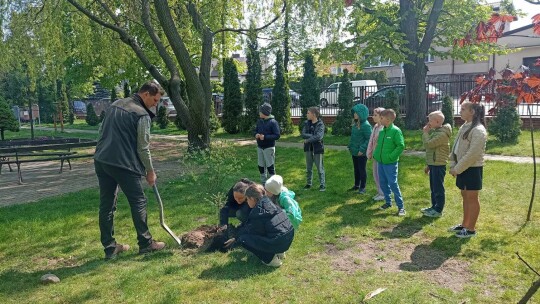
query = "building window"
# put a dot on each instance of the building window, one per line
(336, 70)
(378, 62)
(529, 62)
(429, 58)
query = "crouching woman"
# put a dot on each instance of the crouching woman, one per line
(268, 232)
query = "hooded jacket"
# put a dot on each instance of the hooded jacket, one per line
(361, 132)
(291, 207)
(270, 129)
(437, 144)
(389, 146)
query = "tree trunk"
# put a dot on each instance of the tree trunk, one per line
(415, 94)
(534, 165)
(2, 131)
(286, 41)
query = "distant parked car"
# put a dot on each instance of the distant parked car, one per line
(361, 89)
(167, 103)
(379, 98)
(295, 97)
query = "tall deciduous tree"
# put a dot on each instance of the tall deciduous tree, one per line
(232, 98)
(183, 50)
(281, 99)
(407, 31)
(253, 93)
(8, 122)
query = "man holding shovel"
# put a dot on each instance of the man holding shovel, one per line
(122, 156)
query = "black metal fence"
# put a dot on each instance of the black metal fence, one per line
(376, 96)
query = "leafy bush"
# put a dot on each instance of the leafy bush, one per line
(392, 102)
(162, 119)
(506, 125)
(91, 116)
(8, 122)
(214, 123)
(448, 110)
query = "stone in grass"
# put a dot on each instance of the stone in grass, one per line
(49, 278)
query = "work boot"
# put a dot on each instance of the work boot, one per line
(117, 250)
(154, 246)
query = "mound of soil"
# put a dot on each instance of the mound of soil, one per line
(206, 238)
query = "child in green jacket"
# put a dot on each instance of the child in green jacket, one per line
(283, 197)
(360, 135)
(390, 145)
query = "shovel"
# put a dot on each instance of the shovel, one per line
(162, 217)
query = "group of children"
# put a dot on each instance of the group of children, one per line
(268, 232)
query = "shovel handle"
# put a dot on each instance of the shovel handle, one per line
(162, 217)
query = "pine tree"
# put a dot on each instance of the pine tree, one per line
(281, 100)
(91, 116)
(448, 110)
(8, 122)
(162, 119)
(232, 99)
(309, 87)
(253, 94)
(342, 125)
(113, 95)
(127, 90)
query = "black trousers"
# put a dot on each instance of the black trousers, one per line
(436, 184)
(109, 177)
(264, 247)
(360, 173)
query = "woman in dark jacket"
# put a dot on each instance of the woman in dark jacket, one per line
(313, 133)
(268, 232)
(236, 205)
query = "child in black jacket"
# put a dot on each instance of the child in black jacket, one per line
(268, 232)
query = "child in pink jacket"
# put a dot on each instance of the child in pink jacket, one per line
(371, 146)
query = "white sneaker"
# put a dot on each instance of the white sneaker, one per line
(281, 256)
(378, 197)
(275, 262)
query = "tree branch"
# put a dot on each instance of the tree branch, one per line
(109, 12)
(125, 37)
(431, 26)
(171, 66)
(244, 31)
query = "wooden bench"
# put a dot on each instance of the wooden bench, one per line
(40, 153)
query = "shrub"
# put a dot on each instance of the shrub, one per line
(392, 102)
(342, 125)
(506, 125)
(91, 117)
(448, 110)
(162, 119)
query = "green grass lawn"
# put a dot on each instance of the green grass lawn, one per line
(344, 249)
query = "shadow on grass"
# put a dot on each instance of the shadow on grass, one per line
(432, 256)
(408, 227)
(243, 265)
(15, 281)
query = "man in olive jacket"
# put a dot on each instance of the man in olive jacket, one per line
(390, 145)
(122, 157)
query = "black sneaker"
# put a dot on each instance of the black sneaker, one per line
(385, 206)
(322, 188)
(455, 228)
(306, 187)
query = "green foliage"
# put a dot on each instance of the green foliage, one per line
(253, 85)
(281, 100)
(232, 98)
(506, 126)
(448, 110)
(214, 123)
(71, 118)
(309, 87)
(162, 119)
(8, 122)
(114, 96)
(217, 87)
(178, 123)
(102, 116)
(91, 116)
(392, 102)
(342, 125)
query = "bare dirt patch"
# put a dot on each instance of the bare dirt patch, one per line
(395, 255)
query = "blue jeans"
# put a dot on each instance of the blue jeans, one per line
(388, 175)
(436, 184)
